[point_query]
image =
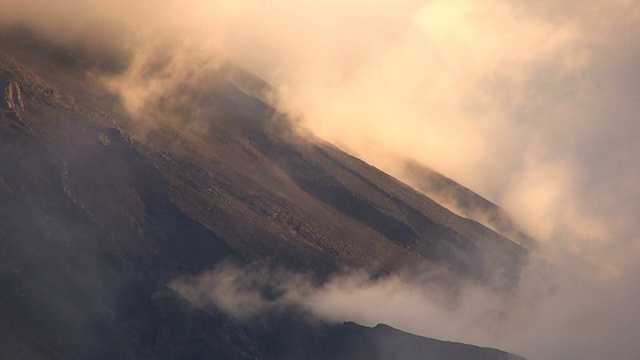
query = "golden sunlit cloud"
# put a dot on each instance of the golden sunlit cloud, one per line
(504, 97)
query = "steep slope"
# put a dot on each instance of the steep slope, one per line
(100, 211)
(465, 202)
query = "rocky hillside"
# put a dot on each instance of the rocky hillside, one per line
(101, 209)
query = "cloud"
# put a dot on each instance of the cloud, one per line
(543, 318)
(529, 103)
(414, 303)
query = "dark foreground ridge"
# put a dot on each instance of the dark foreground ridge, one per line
(352, 341)
(101, 211)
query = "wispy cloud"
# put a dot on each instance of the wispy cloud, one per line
(542, 318)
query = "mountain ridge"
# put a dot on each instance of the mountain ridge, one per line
(98, 218)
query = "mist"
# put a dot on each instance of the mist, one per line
(530, 104)
(541, 318)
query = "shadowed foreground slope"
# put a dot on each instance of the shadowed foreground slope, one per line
(100, 211)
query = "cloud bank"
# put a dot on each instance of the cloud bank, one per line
(527, 104)
(531, 104)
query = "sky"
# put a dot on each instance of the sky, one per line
(532, 104)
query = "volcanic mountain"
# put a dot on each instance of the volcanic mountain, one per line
(102, 208)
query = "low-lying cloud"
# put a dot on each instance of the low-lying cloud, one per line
(411, 303)
(542, 318)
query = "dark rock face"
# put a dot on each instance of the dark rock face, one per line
(96, 219)
(352, 341)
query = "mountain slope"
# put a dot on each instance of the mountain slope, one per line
(100, 211)
(465, 202)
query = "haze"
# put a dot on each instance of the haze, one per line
(531, 104)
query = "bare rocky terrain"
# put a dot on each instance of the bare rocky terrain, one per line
(100, 210)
